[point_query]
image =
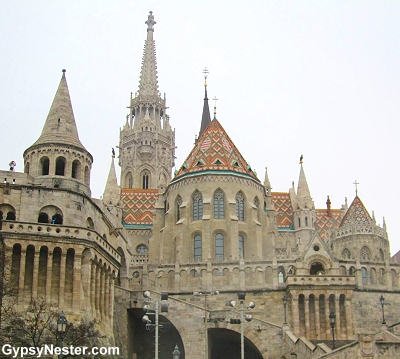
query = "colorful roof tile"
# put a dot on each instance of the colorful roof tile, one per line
(138, 205)
(283, 207)
(356, 214)
(325, 224)
(215, 151)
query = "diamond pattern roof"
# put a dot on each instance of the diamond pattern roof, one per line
(138, 205)
(325, 223)
(356, 214)
(283, 207)
(214, 150)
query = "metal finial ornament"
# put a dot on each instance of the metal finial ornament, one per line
(215, 106)
(356, 183)
(205, 72)
(301, 159)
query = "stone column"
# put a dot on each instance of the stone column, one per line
(106, 295)
(97, 292)
(63, 263)
(307, 315)
(92, 286)
(22, 264)
(49, 275)
(76, 285)
(349, 319)
(35, 273)
(101, 294)
(317, 323)
(338, 320)
(295, 313)
(111, 302)
(327, 320)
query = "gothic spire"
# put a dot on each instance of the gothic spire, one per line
(60, 126)
(148, 85)
(112, 191)
(205, 118)
(303, 192)
(267, 183)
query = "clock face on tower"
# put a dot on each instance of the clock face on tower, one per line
(142, 249)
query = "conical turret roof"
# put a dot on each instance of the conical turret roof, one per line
(303, 192)
(112, 191)
(357, 214)
(60, 126)
(215, 151)
(205, 118)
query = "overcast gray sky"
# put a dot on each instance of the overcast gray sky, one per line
(318, 78)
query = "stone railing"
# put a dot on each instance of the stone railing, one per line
(320, 280)
(360, 229)
(61, 231)
(139, 259)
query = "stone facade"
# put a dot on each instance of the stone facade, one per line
(211, 227)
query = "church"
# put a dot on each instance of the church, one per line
(230, 268)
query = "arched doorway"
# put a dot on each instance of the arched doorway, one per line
(225, 343)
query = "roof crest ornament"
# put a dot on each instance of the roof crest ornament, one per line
(150, 21)
(215, 107)
(356, 183)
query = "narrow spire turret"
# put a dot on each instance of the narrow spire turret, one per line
(111, 195)
(267, 183)
(205, 118)
(303, 192)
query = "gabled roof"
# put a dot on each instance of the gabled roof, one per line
(138, 205)
(215, 151)
(357, 214)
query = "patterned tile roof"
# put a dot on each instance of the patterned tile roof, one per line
(138, 205)
(324, 223)
(215, 151)
(283, 207)
(356, 214)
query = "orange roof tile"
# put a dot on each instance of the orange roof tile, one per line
(356, 214)
(138, 205)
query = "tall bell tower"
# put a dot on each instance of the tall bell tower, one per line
(147, 141)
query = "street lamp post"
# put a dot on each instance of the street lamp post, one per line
(197, 294)
(332, 317)
(382, 300)
(232, 303)
(284, 300)
(61, 329)
(156, 325)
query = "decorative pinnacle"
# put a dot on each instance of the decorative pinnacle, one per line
(150, 21)
(205, 72)
(215, 106)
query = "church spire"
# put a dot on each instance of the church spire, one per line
(148, 85)
(206, 118)
(111, 194)
(60, 125)
(303, 192)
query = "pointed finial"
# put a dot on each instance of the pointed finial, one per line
(150, 21)
(384, 223)
(301, 159)
(205, 72)
(328, 207)
(356, 183)
(64, 71)
(215, 106)
(112, 152)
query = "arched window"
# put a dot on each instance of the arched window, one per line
(60, 166)
(43, 218)
(178, 208)
(45, 165)
(306, 221)
(240, 206)
(197, 248)
(145, 180)
(241, 246)
(89, 223)
(352, 271)
(27, 165)
(299, 223)
(317, 268)
(10, 216)
(76, 170)
(197, 206)
(364, 275)
(219, 247)
(365, 254)
(219, 204)
(87, 176)
(346, 254)
(56, 219)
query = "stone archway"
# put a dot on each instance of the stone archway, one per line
(225, 343)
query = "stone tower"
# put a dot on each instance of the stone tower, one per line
(147, 142)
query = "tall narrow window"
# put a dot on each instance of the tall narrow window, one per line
(145, 180)
(197, 206)
(240, 206)
(197, 248)
(219, 247)
(241, 246)
(45, 164)
(178, 208)
(364, 275)
(60, 166)
(306, 221)
(219, 204)
(365, 254)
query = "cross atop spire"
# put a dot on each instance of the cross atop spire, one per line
(356, 183)
(205, 118)
(215, 106)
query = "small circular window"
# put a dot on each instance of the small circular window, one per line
(142, 249)
(136, 274)
(316, 248)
